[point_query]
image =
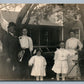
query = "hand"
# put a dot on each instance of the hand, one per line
(76, 61)
(29, 64)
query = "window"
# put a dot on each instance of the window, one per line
(46, 37)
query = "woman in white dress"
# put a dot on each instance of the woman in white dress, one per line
(73, 44)
(61, 62)
(39, 66)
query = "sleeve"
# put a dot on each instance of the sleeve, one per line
(44, 60)
(55, 55)
(31, 61)
(80, 44)
(30, 44)
(67, 44)
(19, 46)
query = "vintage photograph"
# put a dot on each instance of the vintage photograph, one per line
(41, 42)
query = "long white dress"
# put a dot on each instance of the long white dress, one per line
(71, 45)
(60, 61)
(39, 66)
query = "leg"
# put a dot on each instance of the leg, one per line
(37, 78)
(58, 76)
(41, 78)
(63, 76)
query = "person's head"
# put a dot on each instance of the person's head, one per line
(72, 33)
(62, 45)
(11, 27)
(24, 31)
(38, 52)
(77, 17)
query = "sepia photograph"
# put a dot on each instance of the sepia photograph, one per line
(41, 42)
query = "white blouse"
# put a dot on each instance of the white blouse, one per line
(26, 42)
(72, 43)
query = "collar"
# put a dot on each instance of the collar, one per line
(62, 48)
(11, 34)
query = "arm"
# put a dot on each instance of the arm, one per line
(30, 44)
(31, 61)
(67, 44)
(55, 55)
(44, 60)
(80, 44)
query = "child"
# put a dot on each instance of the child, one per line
(61, 61)
(39, 66)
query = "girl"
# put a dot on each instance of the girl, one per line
(39, 66)
(60, 62)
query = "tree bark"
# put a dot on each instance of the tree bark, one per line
(22, 14)
(29, 14)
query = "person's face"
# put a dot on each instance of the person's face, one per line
(38, 53)
(24, 31)
(11, 29)
(72, 34)
(62, 45)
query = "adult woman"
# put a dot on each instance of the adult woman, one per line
(73, 44)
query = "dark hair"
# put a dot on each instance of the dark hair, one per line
(72, 31)
(62, 41)
(24, 28)
(11, 24)
(38, 50)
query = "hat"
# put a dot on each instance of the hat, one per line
(11, 24)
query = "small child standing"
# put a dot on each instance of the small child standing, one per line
(39, 66)
(61, 62)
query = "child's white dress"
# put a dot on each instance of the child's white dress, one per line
(61, 61)
(39, 65)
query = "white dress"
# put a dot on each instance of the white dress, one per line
(60, 61)
(71, 45)
(39, 66)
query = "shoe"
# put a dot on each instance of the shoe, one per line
(63, 79)
(37, 79)
(41, 79)
(58, 79)
(13, 68)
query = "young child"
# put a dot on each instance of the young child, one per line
(39, 66)
(61, 62)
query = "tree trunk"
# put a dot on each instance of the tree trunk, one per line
(29, 14)
(22, 14)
